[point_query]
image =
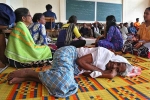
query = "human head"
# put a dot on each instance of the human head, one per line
(110, 21)
(72, 19)
(95, 24)
(121, 25)
(84, 25)
(119, 66)
(39, 17)
(137, 19)
(48, 7)
(23, 14)
(126, 69)
(147, 14)
(131, 24)
(125, 24)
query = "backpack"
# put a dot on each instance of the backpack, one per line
(7, 16)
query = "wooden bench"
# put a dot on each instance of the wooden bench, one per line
(51, 20)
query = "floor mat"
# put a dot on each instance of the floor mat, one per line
(121, 88)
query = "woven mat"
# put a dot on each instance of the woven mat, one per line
(121, 88)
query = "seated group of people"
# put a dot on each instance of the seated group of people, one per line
(71, 59)
(127, 32)
(136, 37)
(93, 30)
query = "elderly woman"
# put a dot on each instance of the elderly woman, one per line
(143, 36)
(21, 49)
(70, 61)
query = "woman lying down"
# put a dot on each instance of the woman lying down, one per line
(68, 62)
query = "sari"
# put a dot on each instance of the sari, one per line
(21, 47)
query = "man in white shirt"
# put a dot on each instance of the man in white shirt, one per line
(96, 30)
(124, 31)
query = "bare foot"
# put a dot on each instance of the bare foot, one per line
(16, 80)
(22, 73)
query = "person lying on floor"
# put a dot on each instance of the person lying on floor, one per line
(70, 61)
(21, 49)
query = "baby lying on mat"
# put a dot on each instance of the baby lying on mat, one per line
(70, 61)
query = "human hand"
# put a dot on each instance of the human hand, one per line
(89, 27)
(77, 39)
(114, 72)
(96, 41)
(138, 45)
(98, 38)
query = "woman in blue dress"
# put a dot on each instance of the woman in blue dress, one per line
(113, 39)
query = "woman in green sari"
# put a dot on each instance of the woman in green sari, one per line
(21, 50)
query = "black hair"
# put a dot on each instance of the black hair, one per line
(20, 12)
(37, 16)
(84, 24)
(72, 19)
(48, 7)
(110, 21)
(137, 18)
(95, 24)
(131, 24)
(125, 23)
(148, 8)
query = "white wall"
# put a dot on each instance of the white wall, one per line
(38, 6)
(35, 6)
(13, 3)
(131, 8)
(2, 1)
(16, 3)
